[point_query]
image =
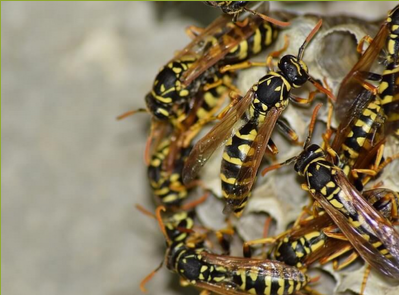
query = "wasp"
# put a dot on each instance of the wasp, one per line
(369, 114)
(314, 239)
(180, 79)
(235, 8)
(222, 274)
(168, 187)
(258, 111)
(371, 235)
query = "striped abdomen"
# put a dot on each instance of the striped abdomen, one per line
(263, 37)
(294, 252)
(167, 187)
(237, 156)
(388, 90)
(277, 278)
(362, 135)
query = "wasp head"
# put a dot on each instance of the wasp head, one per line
(294, 70)
(306, 157)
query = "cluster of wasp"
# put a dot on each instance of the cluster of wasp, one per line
(346, 218)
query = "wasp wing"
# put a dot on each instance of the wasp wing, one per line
(247, 173)
(215, 138)
(200, 42)
(219, 40)
(221, 288)
(352, 92)
(263, 267)
(382, 228)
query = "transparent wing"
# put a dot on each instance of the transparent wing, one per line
(221, 288)
(216, 42)
(263, 267)
(215, 138)
(199, 43)
(351, 92)
(382, 228)
(247, 174)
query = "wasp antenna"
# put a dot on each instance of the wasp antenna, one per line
(322, 89)
(145, 211)
(160, 222)
(268, 18)
(277, 166)
(308, 38)
(312, 124)
(148, 278)
(130, 113)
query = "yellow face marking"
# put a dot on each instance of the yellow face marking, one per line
(277, 89)
(161, 98)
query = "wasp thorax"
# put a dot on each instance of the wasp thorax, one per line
(306, 157)
(294, 70)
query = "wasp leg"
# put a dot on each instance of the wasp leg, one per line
(242, 65)
(301, 100)
(213, 85)
(352, 257)
(286, 129)
(336, 254)
(330, 232)
(272, 148)
(365, 39)
(195, 203)
(365, 277)
(148, 278)
(193, 31)
(378, 166)
(271, 240)
(370, 87)
(235, 98)
(247, 245)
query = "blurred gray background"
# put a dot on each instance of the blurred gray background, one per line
(71, 173)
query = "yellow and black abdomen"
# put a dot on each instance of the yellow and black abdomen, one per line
(363, 135)
(295, 251)
(237, 155)
(261, 39)
(388, 91)
(276, 279)
(167, 187)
